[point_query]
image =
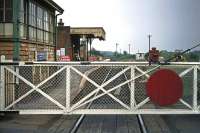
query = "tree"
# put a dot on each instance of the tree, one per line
(192, 57)
(125, 53)
(96, 52)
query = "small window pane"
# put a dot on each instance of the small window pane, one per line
(1, 15)
(21, 17)
(8, 3)
(32, 33)
(21, 5)
(51, 24)
(8, 15)
(30, 8)
(22, 30)
(21, 14)
(51, 38)
(1, 29)
(1, 3)
(8, 29)
(32, 17)
(46, 37)
(40, 35)
(40, 18)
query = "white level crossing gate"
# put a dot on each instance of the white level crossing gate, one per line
(96, 88)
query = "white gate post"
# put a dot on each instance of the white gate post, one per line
(16, 83)
(195, 89)
(68, 89)
(2, 85)
(132, 89)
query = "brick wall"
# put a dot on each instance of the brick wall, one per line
(28, 52)
(64, 39)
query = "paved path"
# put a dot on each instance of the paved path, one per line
(183, 123)
(36, 124)
(63, 124)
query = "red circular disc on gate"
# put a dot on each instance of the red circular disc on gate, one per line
(164, 87)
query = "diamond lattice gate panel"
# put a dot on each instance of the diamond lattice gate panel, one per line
(96, 88)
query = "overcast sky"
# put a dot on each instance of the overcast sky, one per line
(174, 24)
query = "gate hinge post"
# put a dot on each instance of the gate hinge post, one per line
(132, 89)
(68, 77)
(2, 85)
(195, 89)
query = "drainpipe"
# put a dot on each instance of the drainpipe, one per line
(56, 33)
(16, 37)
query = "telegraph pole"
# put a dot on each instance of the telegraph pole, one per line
(149, 36)
(116, 47)
(129, 49)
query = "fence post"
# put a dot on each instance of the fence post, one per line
(68, 89)
(132, 89)
(2, 85)
(195, 89)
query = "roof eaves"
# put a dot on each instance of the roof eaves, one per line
(55, 5)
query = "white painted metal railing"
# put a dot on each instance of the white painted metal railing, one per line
(108, 87)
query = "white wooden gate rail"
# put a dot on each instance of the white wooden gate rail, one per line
(95, 88)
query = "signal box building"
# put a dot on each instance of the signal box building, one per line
(28, 29)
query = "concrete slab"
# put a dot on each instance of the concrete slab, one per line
(183, 123)
(36, 123)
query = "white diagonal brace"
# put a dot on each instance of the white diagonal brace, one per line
(53, 75)
(20, 77)
(100, 87)
(185, 103)
(117, 100)
(112, 89)
(19, 99)
(141, 71)
(198, 67)
(142, 103)
(50, 98)
(116, 76)
(25, 81)
(86, 77)
(186, 71)
(35, 87)
(95, 84)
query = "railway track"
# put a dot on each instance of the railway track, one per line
(109, 123)
(98, 122)
(114, 123)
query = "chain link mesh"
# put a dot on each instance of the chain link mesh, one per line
(110, 76)
(54, 87)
